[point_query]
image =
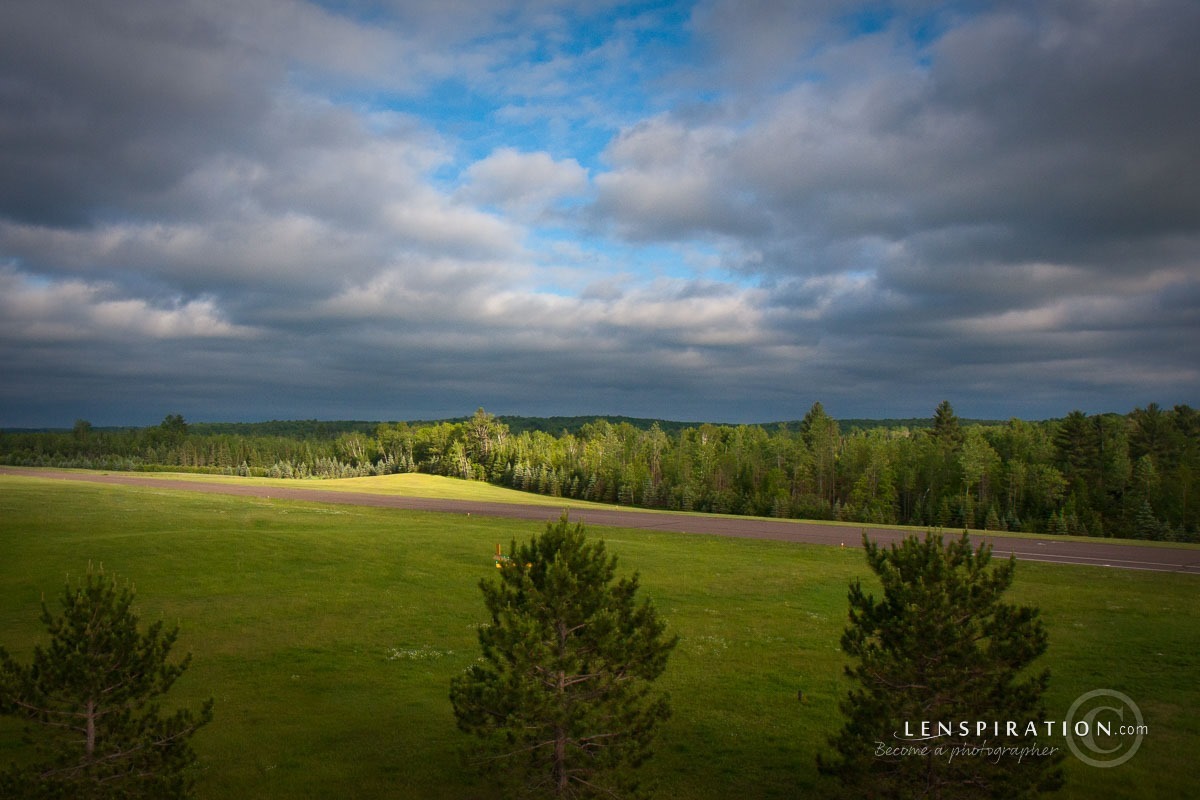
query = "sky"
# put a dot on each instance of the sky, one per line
(722, 210)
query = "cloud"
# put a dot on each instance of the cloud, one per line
(89, 127)
(758, 44)
(670, 181)
(1011, 180)
(1034, 124)
(524, 182)
(72, 311)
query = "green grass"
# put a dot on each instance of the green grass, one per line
(444, 488)
(328, 636)
(413, 484)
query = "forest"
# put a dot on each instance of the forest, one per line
(1132, 476)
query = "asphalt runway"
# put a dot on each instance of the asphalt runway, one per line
(1101, 553)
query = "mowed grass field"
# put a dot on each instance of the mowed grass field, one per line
(328, 636)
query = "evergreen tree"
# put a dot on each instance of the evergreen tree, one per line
(1076, 443)
(1146, 525)
(82, 431)
(1150, 434)
(563, 695)
(821, 435)
(940, 646)
(92, 695)
(174, 428)
(946, 429)
(992, 521)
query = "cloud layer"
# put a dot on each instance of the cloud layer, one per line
(710, 210)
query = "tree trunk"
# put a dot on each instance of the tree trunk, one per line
(560, 732)
(560, 762)
(91, 728)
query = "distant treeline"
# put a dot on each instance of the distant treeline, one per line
(1134, 475)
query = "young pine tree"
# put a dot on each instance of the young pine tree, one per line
(940, 646)
(90, 697)
(563, 695)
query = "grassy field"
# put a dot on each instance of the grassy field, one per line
(328, 636)
(441, 487)
(412, 484)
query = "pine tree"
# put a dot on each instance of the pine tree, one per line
(992, 522)
(946, 429)
(563, 695)
(92, 697)
(940, 646)
(822, 437)
(1146, 525)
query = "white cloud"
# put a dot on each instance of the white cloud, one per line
(73, 310)
(438, 291)
(440, 226)
(671, 181)
(524, 182)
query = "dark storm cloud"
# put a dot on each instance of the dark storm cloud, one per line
(1015, 199)
(107, 105)
(1055, 124)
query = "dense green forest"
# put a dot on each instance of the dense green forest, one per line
(1133, 475)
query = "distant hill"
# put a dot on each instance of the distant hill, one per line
(914, 423)
(331, 429)
(557, 425)
(291, 429)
